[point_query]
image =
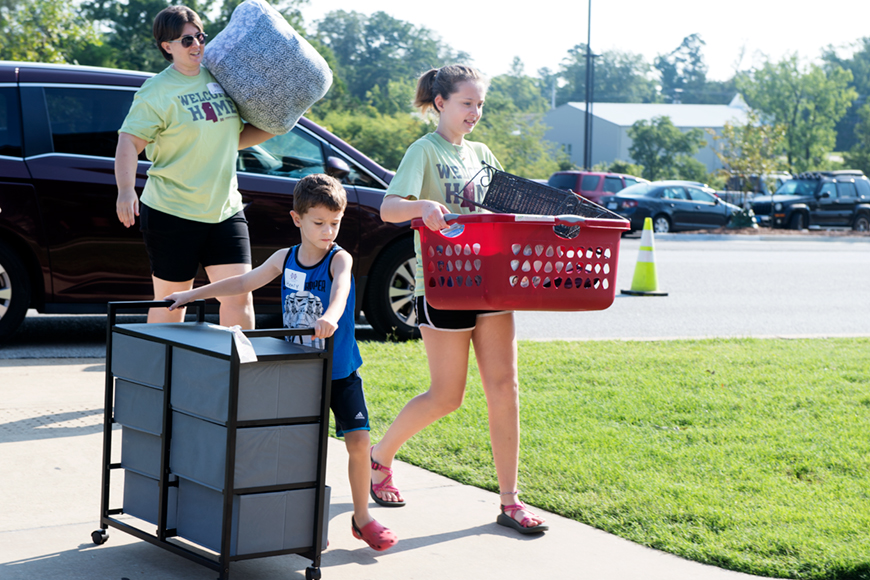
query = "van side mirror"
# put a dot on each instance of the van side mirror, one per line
(337, 167)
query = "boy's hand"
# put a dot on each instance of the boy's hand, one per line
(324, 328)
(178, 299)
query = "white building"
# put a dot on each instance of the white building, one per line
(611, 121)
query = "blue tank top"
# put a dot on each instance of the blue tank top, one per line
(305, 293)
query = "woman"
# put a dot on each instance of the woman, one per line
(437, 165)
(191, 209)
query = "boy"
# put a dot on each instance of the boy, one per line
(316, 274)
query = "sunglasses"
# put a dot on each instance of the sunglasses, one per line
(187, 40)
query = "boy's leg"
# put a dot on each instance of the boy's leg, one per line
(358, 444)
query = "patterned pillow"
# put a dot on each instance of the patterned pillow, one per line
(273, 74)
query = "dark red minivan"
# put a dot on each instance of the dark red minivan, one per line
(592, 184)
(63, 250)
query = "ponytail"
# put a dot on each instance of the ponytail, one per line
(444, 82)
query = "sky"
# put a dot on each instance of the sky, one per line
(541, 32)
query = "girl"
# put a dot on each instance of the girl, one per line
(431, 178)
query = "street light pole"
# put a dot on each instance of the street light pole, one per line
(590, 79)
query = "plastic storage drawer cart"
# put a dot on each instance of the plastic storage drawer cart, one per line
(225, 455)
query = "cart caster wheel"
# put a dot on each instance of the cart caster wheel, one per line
(99, 537)
(312, 573)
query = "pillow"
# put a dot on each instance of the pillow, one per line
(273, 74)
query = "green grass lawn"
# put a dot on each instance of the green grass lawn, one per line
(752, 455)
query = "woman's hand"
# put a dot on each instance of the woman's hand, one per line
(127, 206)
(433, 214)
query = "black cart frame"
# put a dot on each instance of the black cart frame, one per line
(163, 534)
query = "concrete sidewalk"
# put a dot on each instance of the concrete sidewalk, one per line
(50, 452)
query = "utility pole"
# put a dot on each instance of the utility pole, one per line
(590, 94)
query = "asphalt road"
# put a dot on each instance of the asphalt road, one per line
(734, 287)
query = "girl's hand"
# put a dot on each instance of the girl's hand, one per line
(433, 215)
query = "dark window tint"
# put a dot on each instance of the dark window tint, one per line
(846, 190)
(590, 182)
(830, 189)
(863, 186)
(563, 181)
(86, 121)
(293, 154)
(612, 184)
(698, 195)
(10, 123)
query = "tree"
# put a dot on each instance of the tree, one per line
(660, 147)
(619, 77)
(808, 101)
(859, 65)
(371, 51)
(523, 91)
(751, 150)
(859, 156)
(683, 72)
(43, 30)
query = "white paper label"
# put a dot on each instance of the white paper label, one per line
(215, 89)
(294, 280)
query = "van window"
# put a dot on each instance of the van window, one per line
(86, 121)
(612, 184)
(590, 182)
(563, 181)
(10, 123)
(293, 154)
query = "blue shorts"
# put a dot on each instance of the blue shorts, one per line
(348, 404)
(431, 317)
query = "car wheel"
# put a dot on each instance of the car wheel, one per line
(862, 223)
(796, 222)
(14, 292)
(661, 224)
(389, 305)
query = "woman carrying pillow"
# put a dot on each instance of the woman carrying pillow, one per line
(191, 210)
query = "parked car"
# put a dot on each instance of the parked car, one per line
(63, 250)
(818, 199)
(742, 190)
(672, 205)
(592, 184)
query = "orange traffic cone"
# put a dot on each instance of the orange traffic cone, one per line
(645, 281)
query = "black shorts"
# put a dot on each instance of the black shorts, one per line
(177, 246)
(431, 317)
(348, 404)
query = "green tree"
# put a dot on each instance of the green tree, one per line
(619, 77)
(751, 149)
(661, 148)
(43, 30)
(524, 91)
(859, 65)
(371, 51)
(808, 101)
(683, 72)
(859, 156)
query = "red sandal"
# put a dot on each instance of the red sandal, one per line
(506, 518)
(374, 534)
(384, 486)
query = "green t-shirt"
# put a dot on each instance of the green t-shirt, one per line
(192, 128)
(431, 169)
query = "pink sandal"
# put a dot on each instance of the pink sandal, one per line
(506, 518)
(374, 534)
(384, 486)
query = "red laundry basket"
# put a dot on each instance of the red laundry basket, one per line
(520, 262)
